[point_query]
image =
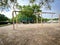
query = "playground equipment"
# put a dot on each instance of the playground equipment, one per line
(37, 17)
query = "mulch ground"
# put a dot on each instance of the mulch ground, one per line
(30, 34)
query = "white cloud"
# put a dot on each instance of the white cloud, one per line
(8, 14)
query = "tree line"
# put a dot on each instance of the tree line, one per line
(27, 13)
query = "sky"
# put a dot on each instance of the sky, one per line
(55, 7)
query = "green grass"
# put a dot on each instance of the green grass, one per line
(4, 25)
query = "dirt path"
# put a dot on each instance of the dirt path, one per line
(30, 34)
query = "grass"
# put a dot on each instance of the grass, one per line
(4, 25)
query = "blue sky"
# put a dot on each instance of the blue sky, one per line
(55, 7)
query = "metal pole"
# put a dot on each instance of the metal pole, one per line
(16, 19)
(52, 18)
(36, 18)
(59, 19)
(13, 20)
(41, 17)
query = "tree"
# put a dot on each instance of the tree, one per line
(56, 19)
(27, 13)
(41, 3)
(7, 4)
(3, 17)
(4, 4)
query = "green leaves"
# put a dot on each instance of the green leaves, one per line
(15, 1)
(29, 10)
(12, 0)
(47, 3)
(26, 13)
(32, 1)
(41, 3)
(3, 2)
(3, 17)
(6, 4)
